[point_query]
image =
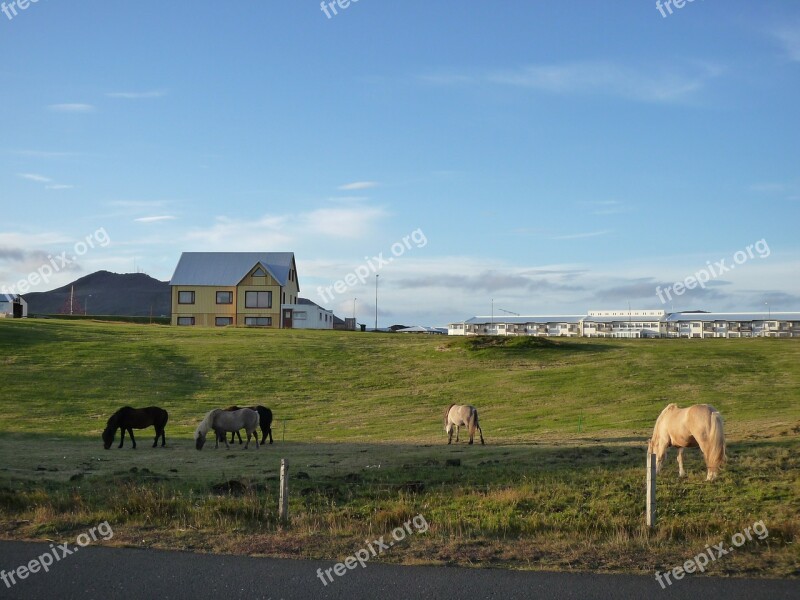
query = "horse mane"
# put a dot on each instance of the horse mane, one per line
(447, 412)
(206, 423)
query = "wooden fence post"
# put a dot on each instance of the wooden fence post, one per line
(651, 490)
(283, 501)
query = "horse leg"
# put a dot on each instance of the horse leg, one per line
(681, 472)
(133, 439)
(458, 430)
(163, 437)
(239, 435)
(155, 441)
(661, 454)
(449, 434)
(255, 437)
(121, 437)
(481, 432)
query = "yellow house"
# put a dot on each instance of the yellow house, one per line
(246, 289)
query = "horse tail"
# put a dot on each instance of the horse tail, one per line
(473, 421)
(165, 416)
(447, 412)
(716, 452)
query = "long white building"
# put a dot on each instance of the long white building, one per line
(648, 323)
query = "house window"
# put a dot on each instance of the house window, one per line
(224, 297)
(258, 299)
(258, 321)
(223, 321)
(259, 272)
(186, 298)
(185, 320)
(300, 315)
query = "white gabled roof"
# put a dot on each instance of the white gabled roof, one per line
(229, 268)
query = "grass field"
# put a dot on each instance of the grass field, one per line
(560, 484)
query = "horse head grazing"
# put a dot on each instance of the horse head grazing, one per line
(111, 430)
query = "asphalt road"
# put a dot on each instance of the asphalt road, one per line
(95, 572)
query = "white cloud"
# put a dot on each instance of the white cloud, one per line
(59, 186)
(577, 236)
(136, 95)
(155, 219)
(72, 108)
(35, 177)
(358, 185)
(665, 85)
(789, 37)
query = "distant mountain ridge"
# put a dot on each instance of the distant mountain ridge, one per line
(106, 293)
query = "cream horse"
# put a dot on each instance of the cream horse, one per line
(222, 422)
(699, 425)
(461, 416)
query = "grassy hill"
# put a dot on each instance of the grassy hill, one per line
(559, 484)
(106, 293)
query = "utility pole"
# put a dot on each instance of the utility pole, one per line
(376, 301)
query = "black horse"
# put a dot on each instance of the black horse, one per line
(128, 419)
(264, 420)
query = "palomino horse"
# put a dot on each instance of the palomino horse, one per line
(128, 419)
(461, 416)
(224, 421)
(264, 421)
(699, 425)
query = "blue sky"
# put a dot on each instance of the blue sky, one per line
(557, 156)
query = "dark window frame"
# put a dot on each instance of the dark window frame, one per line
(230, 296)
(257, 304)
(180, 293)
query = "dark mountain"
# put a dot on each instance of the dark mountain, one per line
(105, 293)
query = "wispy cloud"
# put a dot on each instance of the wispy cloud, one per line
(665, 85)
(59, 186)
(606, 207)
(770, 188)
(788, 36)
(136, 95)
(72, 108)
(358, 185)
(136, 203)
(578, 236)
(35, 177)
(44, 154)
(155, 219)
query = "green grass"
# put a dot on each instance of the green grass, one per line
(363, 421)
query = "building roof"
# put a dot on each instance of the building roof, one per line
(10, 298)
(229, 268)
(521, 320)
(753, 316)
(422, 329)
(625, 319)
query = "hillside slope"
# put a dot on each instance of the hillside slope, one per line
(106, 293)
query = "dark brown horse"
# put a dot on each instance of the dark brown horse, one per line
(264, 420)
(128, 419)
